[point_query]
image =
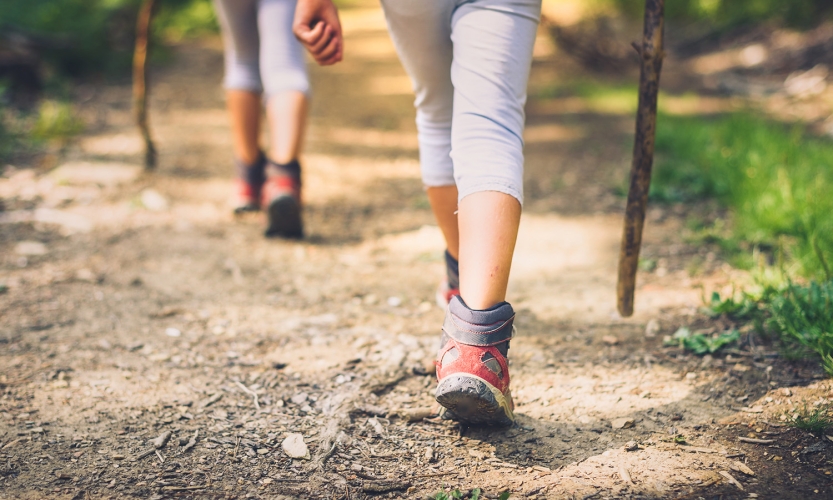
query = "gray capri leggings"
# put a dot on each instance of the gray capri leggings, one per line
(469, 64)
(262, 54)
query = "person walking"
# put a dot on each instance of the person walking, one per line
(469, 63)
(264, 65)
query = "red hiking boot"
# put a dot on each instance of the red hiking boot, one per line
(282, 200)
(472, 368)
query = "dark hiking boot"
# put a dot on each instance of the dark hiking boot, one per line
(282, 200)
(451, 285)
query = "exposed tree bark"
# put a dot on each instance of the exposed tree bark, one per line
(651, 55)
(140, 79)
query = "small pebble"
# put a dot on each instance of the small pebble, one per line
(295, 447)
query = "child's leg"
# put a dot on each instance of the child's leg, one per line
(286, 85)
(285, 80)
(443, 201)
(492, 55)
(488, 230)
(244, 114)
(421, 32)
(238, 21)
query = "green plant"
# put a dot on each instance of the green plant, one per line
(699, 343)
(815, 420)
(739, 307)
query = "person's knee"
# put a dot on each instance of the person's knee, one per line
(488, 157)
(285, 81)
(243, 76)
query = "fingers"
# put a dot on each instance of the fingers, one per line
(309, 36)
(331, 53)
(323, 43)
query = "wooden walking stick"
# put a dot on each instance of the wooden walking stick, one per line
(650, 55)
(140, 79)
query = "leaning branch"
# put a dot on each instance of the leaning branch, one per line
(650, 55)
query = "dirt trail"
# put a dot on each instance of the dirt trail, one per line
(136, 305)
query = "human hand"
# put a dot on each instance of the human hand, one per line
(317, 27)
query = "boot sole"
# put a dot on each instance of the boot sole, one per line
(284, 218)
(471, 399)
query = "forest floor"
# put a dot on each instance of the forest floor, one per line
(134, 304)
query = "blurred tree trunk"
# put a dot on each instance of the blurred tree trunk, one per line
(140, 79)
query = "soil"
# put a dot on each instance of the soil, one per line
(133, 304)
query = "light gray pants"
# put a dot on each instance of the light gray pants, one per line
(262, 54)
(469, 64)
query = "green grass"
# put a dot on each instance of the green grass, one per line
(776, 181)
(815, 420)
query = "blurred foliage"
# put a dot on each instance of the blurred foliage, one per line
(724, 13)
(97, 36)
(179, 19)
(699, 343)
(776, 181)
(55, 121)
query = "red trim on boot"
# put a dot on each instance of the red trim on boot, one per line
(246, 194)
(470, 361)
(280, 185)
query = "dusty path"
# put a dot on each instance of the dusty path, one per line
(137, 305)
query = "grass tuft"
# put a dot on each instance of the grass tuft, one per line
(815, 420)
(800, 315)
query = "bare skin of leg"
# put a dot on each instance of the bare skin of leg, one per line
(443, 201)
(287, 114)
(481, 235)
(244, 111)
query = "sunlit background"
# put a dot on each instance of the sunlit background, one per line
(129, 298)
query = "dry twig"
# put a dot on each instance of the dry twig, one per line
(250, 392)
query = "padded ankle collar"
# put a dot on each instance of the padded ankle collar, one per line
(479, 328)
(291, 169)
